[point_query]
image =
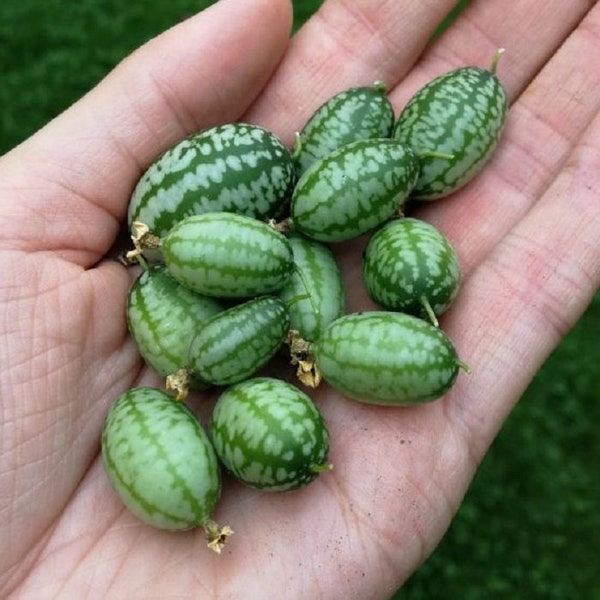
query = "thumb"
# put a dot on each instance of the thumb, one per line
(70, 183)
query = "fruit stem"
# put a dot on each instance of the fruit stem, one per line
(216, 536)
(496, 59)
(308, 295)
(322, 468)
(297, 149)
(429, 311)
(380, 86)
(464, 366)
(297, 298)
(143, 262)
(435, 154)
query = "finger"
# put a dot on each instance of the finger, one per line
(84, 165)
(527, 294)
(529, 32)
(544, 125)
(342, 45)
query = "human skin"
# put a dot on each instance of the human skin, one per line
(526, 230)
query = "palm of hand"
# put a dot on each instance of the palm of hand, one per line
(399, 473)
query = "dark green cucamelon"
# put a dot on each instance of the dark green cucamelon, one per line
(227, 255)
(270, 435)
(353, 190)
(237, 342)
(316, 275)
(163, 317)
(235, 167)
(410, 266)
(460, 113)
(160, 461)
(383, 357)
(357, 113)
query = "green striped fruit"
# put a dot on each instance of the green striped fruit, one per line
(410, 266)
(358, 113)
(353, 190)
(270, 435)
(234, 344)
(461, 113)
(160, 461)
(234, 167)
(383, 357)
(316, 275)
(163, 317)
(227, 255)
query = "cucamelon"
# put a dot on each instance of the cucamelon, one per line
(461, 114)
(237, 342)
(161, 463)
(410, 266)
(270, 435)
(383, 357)
(227, 255)
(163, 317)
(234, 167)
(353, 189)
(315, 291)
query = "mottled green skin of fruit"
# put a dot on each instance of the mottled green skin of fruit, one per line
(235, 167)
(408, 263)
(461, 113)
(269, 434)
(234, 344)
(383, 357)
(358, 113)
(316, 273)
(163, 317)
(227, 255)
(353, 189)
(159, 460)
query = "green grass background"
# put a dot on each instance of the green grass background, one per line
(529, 526)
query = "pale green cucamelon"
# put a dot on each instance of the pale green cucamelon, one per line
(353, 189)
(270, 435)
(237, 342)
(163, 317)
(384, 357)
(227, 255)
(315, 291)
(160, 461)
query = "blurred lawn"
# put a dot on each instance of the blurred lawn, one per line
(529, 526)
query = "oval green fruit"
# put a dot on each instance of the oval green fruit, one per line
(410, 266)
(383, 357)
(316, 275)
(353, 190)
(163, 317)
(358, 113)
(227, 255)
(235, 167)
(270, 435)
(160, 461)
(460, 113)
(234, 344)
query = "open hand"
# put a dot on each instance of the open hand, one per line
(527, 231)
